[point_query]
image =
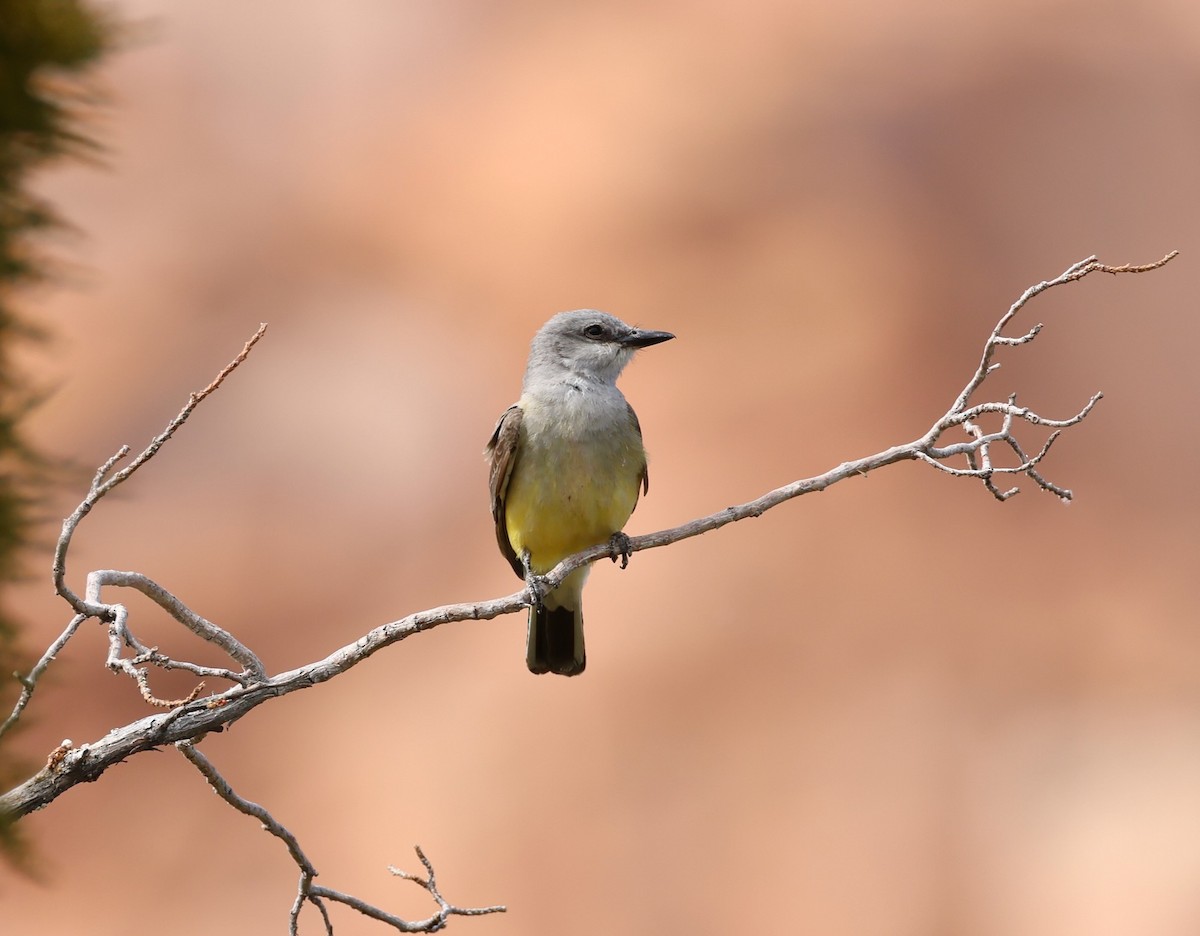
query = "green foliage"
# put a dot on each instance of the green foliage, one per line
(46, 48)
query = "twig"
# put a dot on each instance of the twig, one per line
(204, 629)
(29, 683)
(102, 483)
(429, 882)
(307, 891)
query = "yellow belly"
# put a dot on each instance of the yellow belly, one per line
(565, 497)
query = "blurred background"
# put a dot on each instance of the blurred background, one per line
(900, 707)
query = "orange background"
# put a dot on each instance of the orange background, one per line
(896, 708)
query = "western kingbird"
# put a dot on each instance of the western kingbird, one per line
(566, 467)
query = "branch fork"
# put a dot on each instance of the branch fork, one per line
(307, 890)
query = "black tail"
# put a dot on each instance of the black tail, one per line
(555, 641)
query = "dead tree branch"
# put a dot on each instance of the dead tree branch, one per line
(104, 480)
(214, 712)
(309, 892)
(189, 719)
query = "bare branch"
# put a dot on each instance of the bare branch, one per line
(312, 893)
(100, 486)
(201, 715)
(91, 606)
(29, 683)
(202, 628)
(214, 712)
(429, 882)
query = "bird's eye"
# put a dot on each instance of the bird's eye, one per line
(594, 331)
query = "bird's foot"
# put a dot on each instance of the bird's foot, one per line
(535, 584)
(621, 548)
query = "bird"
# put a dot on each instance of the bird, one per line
(566, 468)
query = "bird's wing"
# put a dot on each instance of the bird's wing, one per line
(645, 479)
(501, 453)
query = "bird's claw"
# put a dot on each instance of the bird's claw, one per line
(535, 584)
(536, 588)
(621, 549)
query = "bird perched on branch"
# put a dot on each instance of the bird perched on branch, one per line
(566, 468)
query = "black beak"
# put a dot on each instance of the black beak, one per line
(642, 338)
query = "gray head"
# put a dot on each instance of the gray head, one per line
(587, 344)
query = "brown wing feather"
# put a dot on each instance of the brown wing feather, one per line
(645, 468)
(501, 453)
